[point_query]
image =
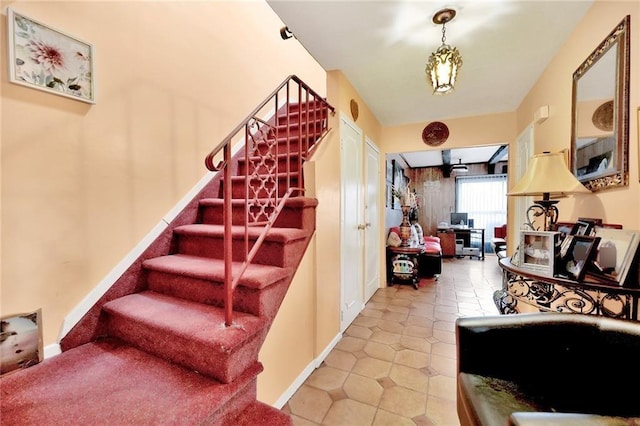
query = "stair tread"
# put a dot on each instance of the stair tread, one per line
(111, 383)
(256, 276)
(295, 202)
(283, 235)
(199, 322)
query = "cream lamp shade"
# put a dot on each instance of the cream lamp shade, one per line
(548, 175)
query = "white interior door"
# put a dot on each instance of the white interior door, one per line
(372, 224)
(352, 218)
(524, 152)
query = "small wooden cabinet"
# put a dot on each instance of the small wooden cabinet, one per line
(448, 243)
(404, 262)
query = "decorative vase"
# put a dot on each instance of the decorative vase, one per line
(405, 227)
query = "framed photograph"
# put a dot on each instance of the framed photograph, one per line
(46, 59)
(582, 228)
(616, 252)
(578, 256)
(538, 251)
(20, 341)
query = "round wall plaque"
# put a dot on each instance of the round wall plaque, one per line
(435, 133)
(354, 109)
(603, 117)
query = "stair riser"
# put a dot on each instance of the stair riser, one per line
(236, 405)
(290, 217)
(209, 360)
(260, 168)
(261, 190)
(312, 112)
(255, 302)
(270, 253)
(293, 146)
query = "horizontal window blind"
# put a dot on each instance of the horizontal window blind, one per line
(484, 198)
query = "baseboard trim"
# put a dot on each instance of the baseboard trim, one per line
(306, 372)
(52, 350)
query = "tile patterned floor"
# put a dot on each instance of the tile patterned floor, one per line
(396, 363)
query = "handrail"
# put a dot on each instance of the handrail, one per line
(266, 187)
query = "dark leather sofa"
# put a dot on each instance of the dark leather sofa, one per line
(548, 369)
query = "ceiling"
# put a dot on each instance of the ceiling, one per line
(382, 48)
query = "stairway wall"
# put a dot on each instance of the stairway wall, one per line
(83, 184)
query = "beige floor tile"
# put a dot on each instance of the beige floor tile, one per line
(404, 402)
(310, 403)
(442, 387)
(391, 326)
(395, 316)
(444, 349)
(300, 421)
(385, 337)
(341, 360)
(411, 358)
(348, 412)
(420, 321)
(445, 336)
(442, 412)
(409, 378)
(363, 321)
(444, 365)
(351, 344)
(415, 343)
(358, 331)
(363, 389)
(380, 351)
(417, 331)
(373, 368)
(327, 378)
(386, 418)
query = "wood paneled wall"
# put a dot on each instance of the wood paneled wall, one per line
(437, 194)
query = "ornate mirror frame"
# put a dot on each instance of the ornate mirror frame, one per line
(600, 121)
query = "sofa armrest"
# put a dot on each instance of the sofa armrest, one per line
(548, 353)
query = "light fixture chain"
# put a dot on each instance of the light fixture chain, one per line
(443, 31)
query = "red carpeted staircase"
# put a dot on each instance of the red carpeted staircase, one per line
(155, 348)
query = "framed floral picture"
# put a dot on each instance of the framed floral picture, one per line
(49, 60)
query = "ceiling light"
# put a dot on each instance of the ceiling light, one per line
(443, 64)
(460, 168)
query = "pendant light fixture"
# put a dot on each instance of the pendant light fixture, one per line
(444, 63)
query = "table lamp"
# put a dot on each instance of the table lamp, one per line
(547, 175)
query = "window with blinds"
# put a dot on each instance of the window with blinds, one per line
(484, 198)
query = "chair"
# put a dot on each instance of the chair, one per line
(547, 368)
(499, 240)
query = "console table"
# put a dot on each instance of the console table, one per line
(524, 291)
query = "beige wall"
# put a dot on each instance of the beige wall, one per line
(554, 88)
(83, 184)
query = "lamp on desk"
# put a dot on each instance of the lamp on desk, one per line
(547, 175)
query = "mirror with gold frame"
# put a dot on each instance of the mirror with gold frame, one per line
(600, 113)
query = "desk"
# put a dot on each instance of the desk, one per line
(404, 264)
(472, 242)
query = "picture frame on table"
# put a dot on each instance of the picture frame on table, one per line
(582, 228)
(617, 250)
(46, 59)
(21, 345)
(538, 251)
(576, 256)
